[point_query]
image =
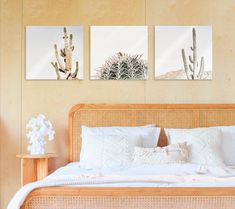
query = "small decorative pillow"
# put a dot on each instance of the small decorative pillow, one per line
(204, 144)
(109, 151)
(174, 153)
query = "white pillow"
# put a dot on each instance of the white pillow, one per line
(148, 136)
(108, 151)
(174, 153)
(228, 144)
(149, 133)
(204, 144)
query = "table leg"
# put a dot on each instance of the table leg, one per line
(28, 171)
(42, 168)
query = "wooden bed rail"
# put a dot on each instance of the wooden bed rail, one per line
(134, 191)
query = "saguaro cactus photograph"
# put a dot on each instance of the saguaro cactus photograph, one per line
(54, 52)
(183, 52)
(193, 71)
(119, 53)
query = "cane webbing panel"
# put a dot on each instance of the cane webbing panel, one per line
(130, 202)
(165, 116)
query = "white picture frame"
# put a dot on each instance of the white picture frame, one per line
(118, 52)
(42, 45)
(175, 57)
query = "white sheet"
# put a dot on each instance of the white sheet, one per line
(167, 175)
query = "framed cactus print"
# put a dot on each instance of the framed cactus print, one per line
(183, 52)
(54, 52)
(118, 52)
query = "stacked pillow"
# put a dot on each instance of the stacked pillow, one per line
(209, 146)
(227, 144)
(113, 146)
(109, 147)
(204, 144)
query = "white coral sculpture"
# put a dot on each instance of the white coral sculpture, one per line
(39, 129)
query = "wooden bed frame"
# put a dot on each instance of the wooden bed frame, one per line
(164, 115)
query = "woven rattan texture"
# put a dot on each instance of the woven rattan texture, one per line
(168, 118)
(150, 202)
(217, 117)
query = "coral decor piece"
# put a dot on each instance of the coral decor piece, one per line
(39, 129)
(64, 59)
(192, 70)
(123, 66)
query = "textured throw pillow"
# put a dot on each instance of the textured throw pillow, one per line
(174, 153)
(108, 151)
(204, 144)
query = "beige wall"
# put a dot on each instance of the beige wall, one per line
(22, 99)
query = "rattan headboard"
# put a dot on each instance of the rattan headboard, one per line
(164, 115)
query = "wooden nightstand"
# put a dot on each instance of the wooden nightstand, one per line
(34, 167)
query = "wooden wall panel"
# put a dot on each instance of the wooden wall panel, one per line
(10, 97)
(219, 14)
(62, 95)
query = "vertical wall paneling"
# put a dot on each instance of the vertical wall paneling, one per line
(10, 97)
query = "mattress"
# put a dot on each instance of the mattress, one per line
(171, 175)
(166, 175)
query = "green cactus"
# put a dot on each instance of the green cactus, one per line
(193, 71)
(64, 65)
(123, 66)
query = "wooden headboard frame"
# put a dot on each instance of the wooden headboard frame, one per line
(163, 115)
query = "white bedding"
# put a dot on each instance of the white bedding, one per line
(166, 175)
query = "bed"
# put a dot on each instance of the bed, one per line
(164, 115)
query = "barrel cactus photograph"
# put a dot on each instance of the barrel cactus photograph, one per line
(123, 66)
(183, 52)
(119, 53)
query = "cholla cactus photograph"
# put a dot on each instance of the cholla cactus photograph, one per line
(54, 52)
(123, 66)
(183, 52)
(39, 129)
(64, 59)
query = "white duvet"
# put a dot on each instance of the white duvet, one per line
(167, 175)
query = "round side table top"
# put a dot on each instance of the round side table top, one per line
(26, 155)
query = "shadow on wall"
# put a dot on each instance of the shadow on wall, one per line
(58, 146)
(10, 181)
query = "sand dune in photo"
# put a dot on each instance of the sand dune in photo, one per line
(180, 74)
